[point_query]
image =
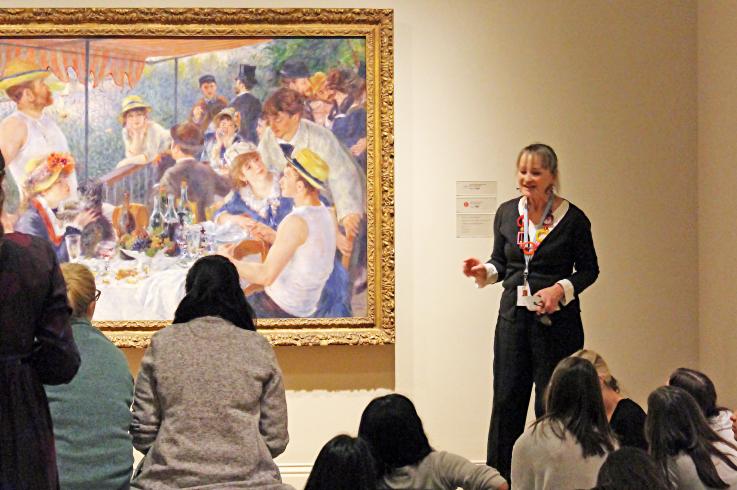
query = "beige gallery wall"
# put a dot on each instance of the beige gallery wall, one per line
(610, 85)
(717, 147)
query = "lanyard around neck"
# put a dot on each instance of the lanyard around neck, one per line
(528, 246)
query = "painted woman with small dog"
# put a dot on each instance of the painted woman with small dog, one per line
(544, 255)
(47, 184)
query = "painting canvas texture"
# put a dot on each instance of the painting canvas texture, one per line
(170, 149)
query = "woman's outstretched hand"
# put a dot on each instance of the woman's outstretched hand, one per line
(472, 267)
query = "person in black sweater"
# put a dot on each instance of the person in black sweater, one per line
(539, 240)
(626, 418)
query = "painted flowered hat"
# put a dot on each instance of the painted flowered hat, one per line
(237, 149)
(44, 171)
(310, 166)
(132, 102)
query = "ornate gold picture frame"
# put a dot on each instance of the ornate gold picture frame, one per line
(122, 56)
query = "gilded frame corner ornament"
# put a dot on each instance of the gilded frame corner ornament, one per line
(376, 26)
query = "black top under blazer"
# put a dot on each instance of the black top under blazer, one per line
(567, 252)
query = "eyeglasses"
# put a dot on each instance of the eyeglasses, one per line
(97, 294)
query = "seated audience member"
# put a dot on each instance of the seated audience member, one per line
(630, 468)
(565, 447)
(225, 136)
(91, 414)
(203, 183)
(699, 386)
(626, 418)
(209, 409)
(144, 139)
(46, 186)
(690, 453)
(733, 418)
(302, 258)
(404, 458)
(344, 463)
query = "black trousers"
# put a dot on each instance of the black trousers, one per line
(525, 352)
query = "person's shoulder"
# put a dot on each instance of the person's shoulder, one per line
(629, 407)
(576, 211)
(511, 206)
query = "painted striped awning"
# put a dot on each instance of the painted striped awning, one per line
(122, 58)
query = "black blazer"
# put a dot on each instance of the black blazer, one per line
(569, 245)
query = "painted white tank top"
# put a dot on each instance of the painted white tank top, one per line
(44, 136)
(298, 288)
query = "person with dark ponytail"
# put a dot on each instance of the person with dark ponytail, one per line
(566, 447)
(630, 468)
(209, 407)
(404, 458)
(690, 453)
(699, 386)
(344, 463)
(36, 347)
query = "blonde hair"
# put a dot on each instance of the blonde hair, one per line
(80, 287)
(602, 369)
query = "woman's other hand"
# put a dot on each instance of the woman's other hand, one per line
(550, 298)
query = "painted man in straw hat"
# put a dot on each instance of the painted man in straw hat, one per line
(29, 132)
(300, 261)
(144, 139)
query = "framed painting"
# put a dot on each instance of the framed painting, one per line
(139, 140)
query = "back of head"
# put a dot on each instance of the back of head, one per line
(393, 429)
(80, 287)
(188, 137)
(602, 368)
(573, 398)
(344, 463)
(630, 468)
(676, 424)
(699, 386)
(213, 289)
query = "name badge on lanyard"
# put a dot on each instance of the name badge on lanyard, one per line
(529, 247)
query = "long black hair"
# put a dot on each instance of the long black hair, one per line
(2, 192)
(573, 401)
(676, 424)
(393, 429)
(213, 289)
(630, 468)
(699, 386)
(344, 463)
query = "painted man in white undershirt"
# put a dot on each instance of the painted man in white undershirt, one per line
(29, 132)
(300, 261)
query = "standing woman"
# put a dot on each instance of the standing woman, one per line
(36, 347)
(544, 255)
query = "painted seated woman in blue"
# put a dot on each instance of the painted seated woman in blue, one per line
(256, 204)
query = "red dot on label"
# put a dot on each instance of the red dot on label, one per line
(465, 204)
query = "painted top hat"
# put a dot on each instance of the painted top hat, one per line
(294, 68)
(247, 74)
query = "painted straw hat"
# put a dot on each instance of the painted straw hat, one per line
(310, 166)
(19, 71)
(131, 102)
